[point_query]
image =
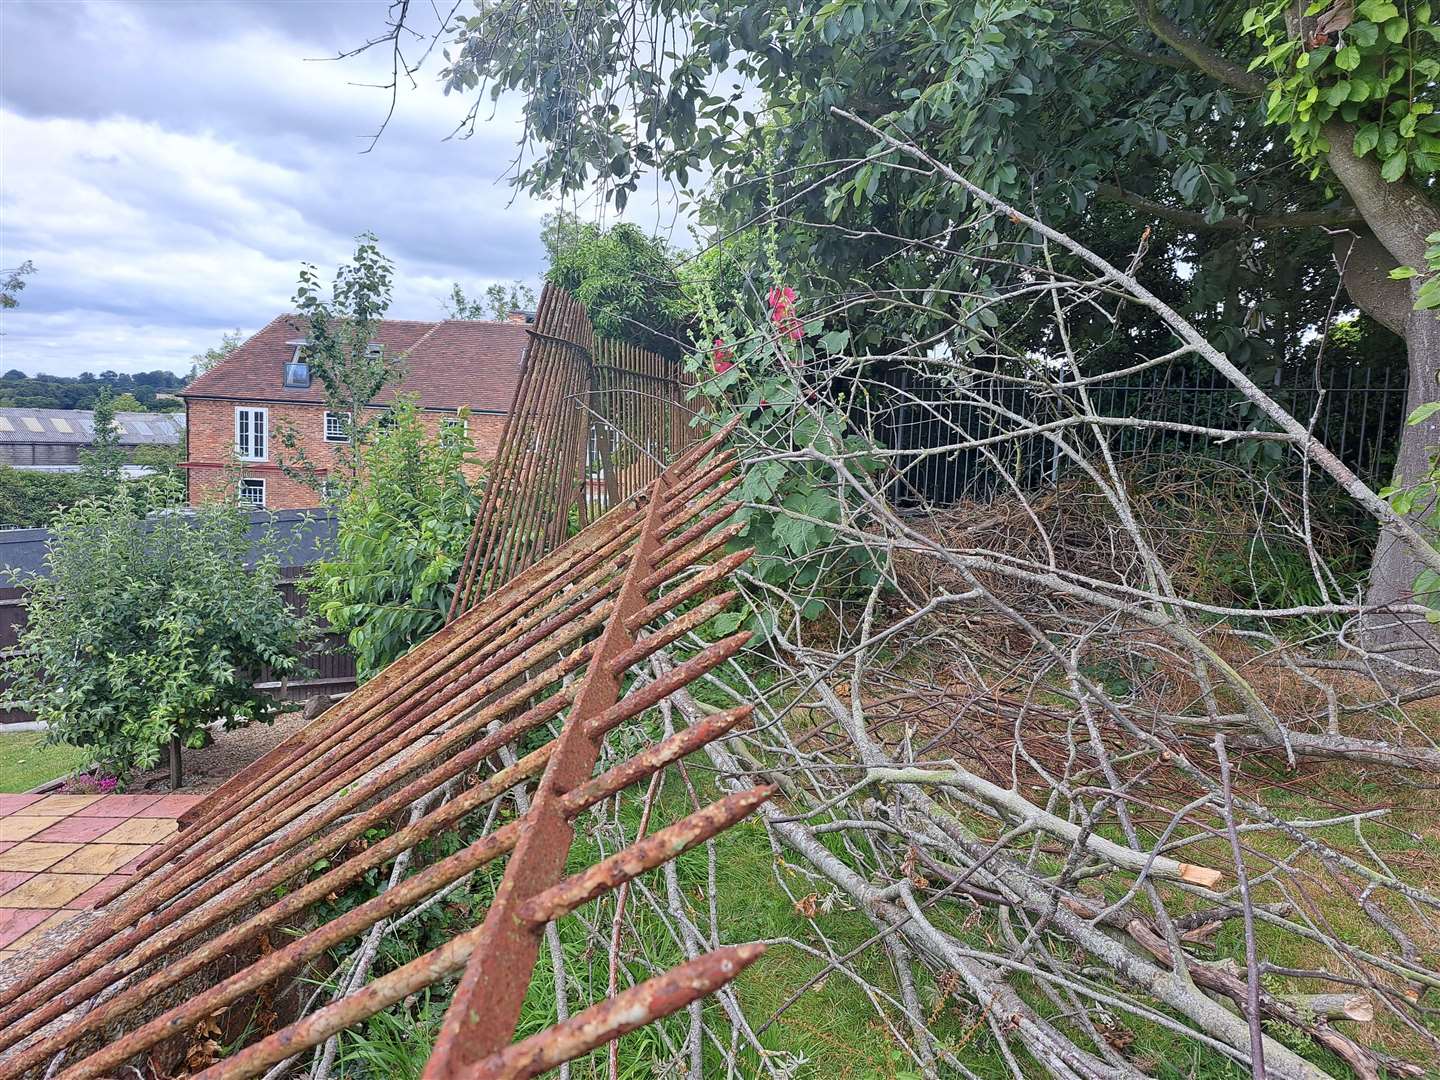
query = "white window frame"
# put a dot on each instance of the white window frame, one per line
(336, 432)
(240, 496)
(246, 449)
(450, 423)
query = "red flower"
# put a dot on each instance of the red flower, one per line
(782, 312)
(723, 357)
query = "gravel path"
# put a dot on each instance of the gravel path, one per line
(205, 770)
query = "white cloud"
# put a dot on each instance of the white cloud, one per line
(167, 186)
(167, 166)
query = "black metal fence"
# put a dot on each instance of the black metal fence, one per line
(968, 435)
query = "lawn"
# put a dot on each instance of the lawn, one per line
(26, 761)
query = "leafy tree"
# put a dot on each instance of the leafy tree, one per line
(403, 528)
(344, 353)
(128, 402)
(144, 629)
(202, 362)
(12, 281)
(499, 301)
(43, 391)
(627, 280)
(28, 499)
(1259, 138)
(100, 464)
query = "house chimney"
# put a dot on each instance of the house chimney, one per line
(524, 318)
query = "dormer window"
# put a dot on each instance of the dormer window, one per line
(297, 371)
(375, 350)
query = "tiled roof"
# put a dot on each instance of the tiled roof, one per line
(77, 427)
(446, 364)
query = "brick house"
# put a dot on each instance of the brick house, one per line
(235, 410)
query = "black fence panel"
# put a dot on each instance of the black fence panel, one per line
(964, 438)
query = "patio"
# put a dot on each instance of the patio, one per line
(61, 855)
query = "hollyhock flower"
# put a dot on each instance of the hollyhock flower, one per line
(782, 312)
(723, 357)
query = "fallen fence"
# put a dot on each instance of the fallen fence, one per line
(592, 424)
(429, 741)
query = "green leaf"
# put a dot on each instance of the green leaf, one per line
(1400, 273)
(1423, 413)
(1366, 139)
(728, 622)
(1378, 11)
(1348, 58)
(1394, 167)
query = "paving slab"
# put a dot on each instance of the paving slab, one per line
(30, 855)
(64, 855)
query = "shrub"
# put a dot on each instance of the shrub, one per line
(775, 372)
(403, 529)
(150, 627)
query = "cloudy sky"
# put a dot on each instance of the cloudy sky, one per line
(168, 164)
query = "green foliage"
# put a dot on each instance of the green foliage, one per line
(202, 362)
(794, 501)
(1372, 64)
(626, 279)
(498, 302)
(1419, 498)
(12, 281)
(341, 332)
(148, 628)
(1060, 109)
(1428, 295)
(402, 533)
(28, 500)
(19, 391)
(100, 462)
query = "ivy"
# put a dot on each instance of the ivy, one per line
(1370, 65)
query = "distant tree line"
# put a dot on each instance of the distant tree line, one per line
(138, 392)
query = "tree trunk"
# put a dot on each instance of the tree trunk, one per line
(1394, 568)
(1400, 216)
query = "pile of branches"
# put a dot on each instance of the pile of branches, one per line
(1041, 756)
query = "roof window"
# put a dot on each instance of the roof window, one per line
(297, 375)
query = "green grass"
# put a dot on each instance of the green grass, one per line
(833, 1028)
(26, 761)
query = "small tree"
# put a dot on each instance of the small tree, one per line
(402, 535)
(148, 629)
(499, 301)
(212, 357)
(100, 464)
(342, 352)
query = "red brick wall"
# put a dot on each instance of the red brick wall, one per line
(211, 434)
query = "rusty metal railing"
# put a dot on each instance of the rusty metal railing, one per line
(552, 647)
(592, 424)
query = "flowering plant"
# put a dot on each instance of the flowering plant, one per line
(91, 784)
(776, 372)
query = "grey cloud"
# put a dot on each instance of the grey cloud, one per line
(168, 165)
